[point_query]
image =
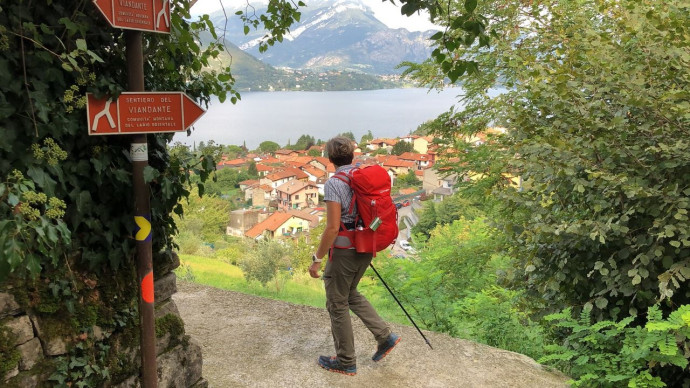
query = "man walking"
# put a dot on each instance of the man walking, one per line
(344, 270)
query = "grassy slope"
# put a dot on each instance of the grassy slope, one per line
(299, 289)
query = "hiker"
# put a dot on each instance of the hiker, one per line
(344, 269)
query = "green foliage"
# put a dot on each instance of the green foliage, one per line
(493, 317)
(348, 135)
(407, 180)
(226, 179)
(84, 366)
(9, 355)
(596, 115)
(303, 143)
(366, 138)
(204, 218)
(53, 53)
(451, 209)
(456, 287)
(401, 147)
(264, 262)
(614, 353)
(269, 146)
(252, 171)
(314, 153)
(33, 227)
(279, 16)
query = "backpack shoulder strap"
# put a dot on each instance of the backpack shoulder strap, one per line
(345, 176)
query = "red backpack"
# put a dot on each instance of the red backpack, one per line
(377, 219)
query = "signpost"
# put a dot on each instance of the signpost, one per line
(145, 112)
(138, 113)
(142, 15)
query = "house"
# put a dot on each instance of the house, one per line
(398, 166)
(278, 178)
(296, 194)
(323, 164)
(421, 144)
(313, 216)
(264, 170)
(279, 224)
(234, 163)
(421, 161)
(283, 154)
(320, 163)
(376, 144)
(261, 195)
(298, 161)
(242, 220)
(313, 172)
(437, 184)
(246, 184)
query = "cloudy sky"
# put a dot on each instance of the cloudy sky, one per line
(386, 12)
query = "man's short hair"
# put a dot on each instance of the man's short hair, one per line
(340, 151)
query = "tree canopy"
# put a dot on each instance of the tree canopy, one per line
(269, 146)
(594, 103)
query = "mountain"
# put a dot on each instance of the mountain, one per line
(252, 74)
(341, 35)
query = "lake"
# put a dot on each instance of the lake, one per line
(285, 116)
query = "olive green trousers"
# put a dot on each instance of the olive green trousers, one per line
(342, 275)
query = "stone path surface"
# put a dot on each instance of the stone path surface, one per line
(248, 341)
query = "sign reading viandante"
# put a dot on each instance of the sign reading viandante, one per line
(141, 112)
(144, 15)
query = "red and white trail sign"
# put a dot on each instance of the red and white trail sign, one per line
(141, 112)
(143, 15)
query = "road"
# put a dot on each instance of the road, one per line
(404, 234)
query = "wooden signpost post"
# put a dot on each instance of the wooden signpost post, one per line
(138, 113)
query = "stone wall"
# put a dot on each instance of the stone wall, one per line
(31, 353)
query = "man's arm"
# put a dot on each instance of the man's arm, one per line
(328, 237)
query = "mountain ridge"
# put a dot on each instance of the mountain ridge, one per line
(342, 35)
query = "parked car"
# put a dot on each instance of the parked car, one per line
(398, 205)
(406, 203)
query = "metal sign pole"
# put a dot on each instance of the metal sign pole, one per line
(142, 218)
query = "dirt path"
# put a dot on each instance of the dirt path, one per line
(248, 341)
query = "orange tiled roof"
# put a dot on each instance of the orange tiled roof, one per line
(262, 168)
(286, 173)
(395, 162)
(249, 182)
(313, 219)
(294, 186)
(272, 223)
(414, 156)
(317, 172)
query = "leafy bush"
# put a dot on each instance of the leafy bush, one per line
(264, 262)
(492, 317)
(614, 354)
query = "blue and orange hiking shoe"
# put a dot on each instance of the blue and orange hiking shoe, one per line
(386, 347)
(332, 364)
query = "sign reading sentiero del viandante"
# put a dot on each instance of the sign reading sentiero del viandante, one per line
(145, 15)
(141, 112)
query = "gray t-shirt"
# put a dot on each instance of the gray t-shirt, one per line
(336, 190)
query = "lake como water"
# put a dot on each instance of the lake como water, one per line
(285, 116)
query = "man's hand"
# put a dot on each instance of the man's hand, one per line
(314, 270)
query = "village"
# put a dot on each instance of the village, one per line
(285, 199)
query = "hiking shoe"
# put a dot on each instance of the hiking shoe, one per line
(386, 347)
(332, 364)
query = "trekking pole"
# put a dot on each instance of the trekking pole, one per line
(400, 304)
